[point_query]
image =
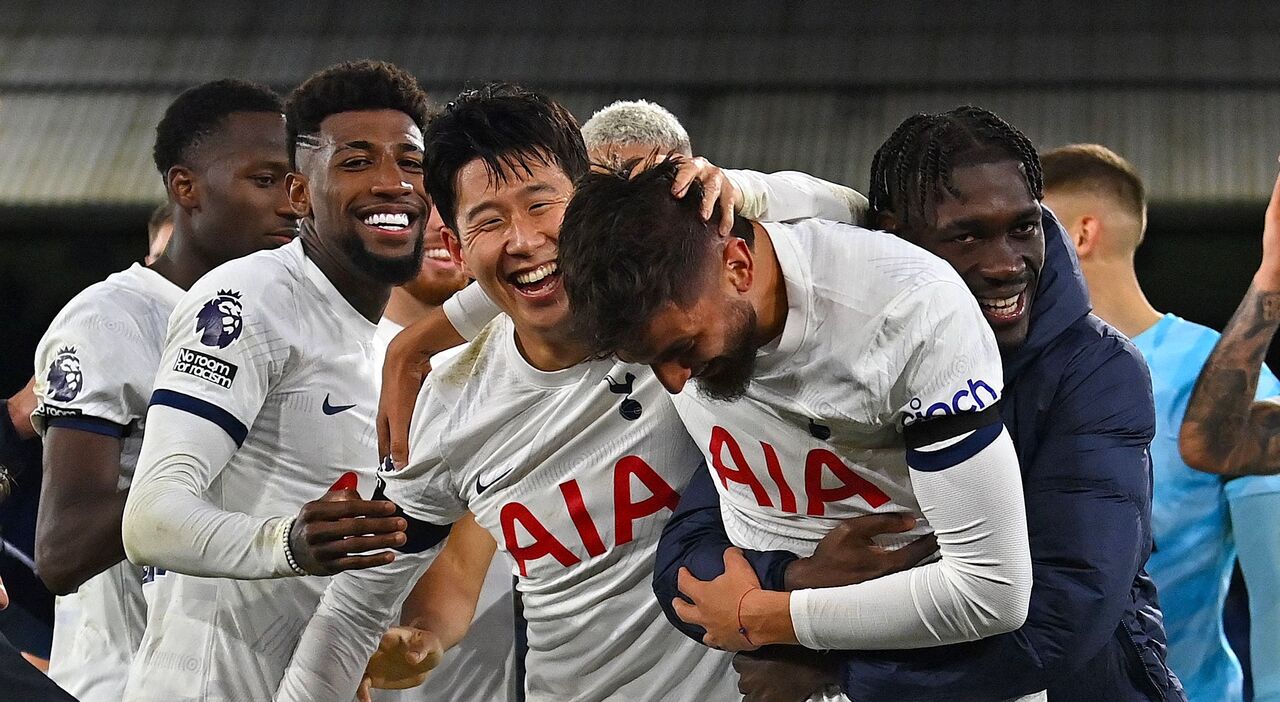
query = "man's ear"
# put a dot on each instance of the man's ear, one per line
(1086, 235)
(454, 245)
(885, 221)
(183, 187)
(739, 264)
(299, 193)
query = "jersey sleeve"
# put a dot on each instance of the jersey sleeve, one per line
(469, 310)
(93, 368)
(427, 488)
(228, 341)
(357, 607)
(788, 195)
(965, 476)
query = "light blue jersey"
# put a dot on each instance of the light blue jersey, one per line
(1196, 518)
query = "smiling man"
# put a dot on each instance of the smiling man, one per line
(265, 396)
(220, 149)
(964, 185)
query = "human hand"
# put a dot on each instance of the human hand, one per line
(404, 658)
(328, 531)
(783, 674)
(716, 187)
(725, 605)
(1267, 279)
(848, 553)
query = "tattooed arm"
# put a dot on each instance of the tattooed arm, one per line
(1225, 431)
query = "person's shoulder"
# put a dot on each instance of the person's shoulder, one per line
(1095, 363)
(276, 270)
(114, 306)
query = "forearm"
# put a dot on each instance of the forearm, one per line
(787, 195)
(444, 599)
(1224, 431)
(78, 537)
(357, 607)
(167, 521)
(979, 587)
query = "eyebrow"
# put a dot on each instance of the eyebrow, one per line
(975, 223)
(362, 145)
(531, 189)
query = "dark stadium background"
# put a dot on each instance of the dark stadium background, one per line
(1189, 92)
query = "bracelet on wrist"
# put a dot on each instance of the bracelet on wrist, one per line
(288, 549)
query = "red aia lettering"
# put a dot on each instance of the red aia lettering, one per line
(852, 483)
(544, 544)
(741, 472)
(627, 512)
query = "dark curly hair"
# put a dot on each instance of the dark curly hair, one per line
(200, 111)
(628, 248)
(506, 126)
(917, 160)
(348, 87)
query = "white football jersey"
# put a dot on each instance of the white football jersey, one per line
(574, 472)
(94, 370)
(879, 334)
(266, 348)
(481, 667)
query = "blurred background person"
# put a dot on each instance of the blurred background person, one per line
(1201, 522)
(159, 229)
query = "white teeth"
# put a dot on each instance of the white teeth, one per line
(388, 220)
(1002, 306)
(537, 274)
(437, 254)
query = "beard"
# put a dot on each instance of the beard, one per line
(393, 270)
(732, 371)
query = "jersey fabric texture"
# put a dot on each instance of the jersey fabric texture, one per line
(266, 350)
(94, 371)
(481, 667)
(1078, 406)
(574, 472)
(1193, 517)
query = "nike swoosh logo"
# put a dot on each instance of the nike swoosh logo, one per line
(333, 409)
(481, 487)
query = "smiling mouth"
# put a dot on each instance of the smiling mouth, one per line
(1004, 310)
(537, 282)
(389, 222)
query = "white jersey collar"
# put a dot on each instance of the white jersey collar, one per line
(327, 289)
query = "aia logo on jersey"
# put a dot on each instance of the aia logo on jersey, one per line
(220, 321)
(977, 396)
(65, 378)
(629, 409)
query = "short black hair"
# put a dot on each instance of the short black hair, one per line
(506, 126)
(628, 247)
(917, 160)
(201, 110)
(351, 87)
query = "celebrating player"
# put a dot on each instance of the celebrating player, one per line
(220, 149)
(571, 463)
(265, 397)
(1093, 628)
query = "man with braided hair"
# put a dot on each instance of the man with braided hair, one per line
(964, 185)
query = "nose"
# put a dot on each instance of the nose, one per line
(525, 238)
(672, 375)
(1002, 262)
(390, 180)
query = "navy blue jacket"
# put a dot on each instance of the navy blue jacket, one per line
(1078, 405)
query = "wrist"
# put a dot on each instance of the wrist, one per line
(798, 574)
(766, 615)
(287, 561)
(1267, 278)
